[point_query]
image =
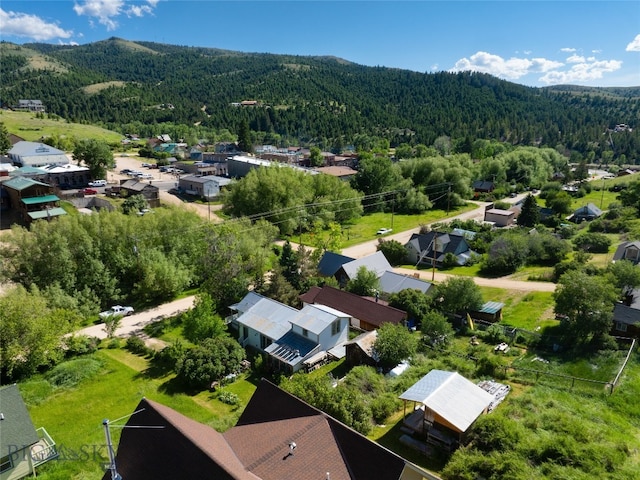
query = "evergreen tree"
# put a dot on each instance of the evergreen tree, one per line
(530, 213)
(244, 137)
(5, 143)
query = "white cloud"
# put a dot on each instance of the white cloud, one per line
(634, 45)
(582, 72)
(30, 26)
(512, 68)
(107, 11)
(568, 50)
(575, 59)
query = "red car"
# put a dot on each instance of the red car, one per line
(89, 191)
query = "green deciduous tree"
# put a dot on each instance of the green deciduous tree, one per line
(393, 250)
(587, 303)
(202, 321)
(365, 283)
(394, 344)
(30, 332)
(210, 361)
(626, 276)
(134, 204)
(94, 154)
(436, 328)
(458, 295)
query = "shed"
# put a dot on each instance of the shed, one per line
(499, 217)
(448, 403)
(490, 311)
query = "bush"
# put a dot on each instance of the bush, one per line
(136, 345)
(229, 398)
(494, 334)
(76, 345)
(593, 242)
(72, 372)
(489, 366)
(383, 406)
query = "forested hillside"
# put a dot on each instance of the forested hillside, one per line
(321, 100)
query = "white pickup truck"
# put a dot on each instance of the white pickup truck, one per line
(117, 310)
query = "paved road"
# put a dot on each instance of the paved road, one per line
(134, 324)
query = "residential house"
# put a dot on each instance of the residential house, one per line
(292, 339)
(331, 262)
(366, 314)
(277, 436)
(628, 251)
(375, 262)
(31, 105)
(483, 186)
(391, 282)
(626, 321)
(208, 186)
(360, 351)
(33, 154)
(343, 173)
(32, 200)
(445, 406)
(587, 212)
(499, 217)
(150, 192)
(432, 247)
(22, 447)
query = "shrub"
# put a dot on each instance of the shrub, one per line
(229, 398)
(136, 345)
(383, 406)
(75, 345)
(72, 372)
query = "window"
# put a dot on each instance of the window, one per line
(621, 327)
(264, 342)
(305, 333)
(5, 463)
(335, 327)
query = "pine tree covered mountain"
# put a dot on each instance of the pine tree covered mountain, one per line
(116, 82)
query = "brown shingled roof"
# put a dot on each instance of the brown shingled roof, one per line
(257, 448)
(370, 311)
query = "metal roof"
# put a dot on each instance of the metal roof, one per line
(491, 307)
(20, 183)
(391, 282)
(315, 319)
(291, 348)
(451, 396)
(376, 262)
(42, 199)
(50, 212)
(268, 317)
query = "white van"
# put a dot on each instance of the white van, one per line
(98, 183)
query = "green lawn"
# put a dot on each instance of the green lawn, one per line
(27, 126)
(531, 311)
(73, 416)
(365, 227)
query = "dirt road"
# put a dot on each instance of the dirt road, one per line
(134, 324)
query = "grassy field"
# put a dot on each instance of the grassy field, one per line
(366, 227)
(27, 126)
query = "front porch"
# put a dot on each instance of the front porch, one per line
(44, 450)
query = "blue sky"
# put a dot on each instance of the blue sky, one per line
(535, 43)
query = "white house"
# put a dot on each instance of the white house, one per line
(33, 154)
(292, 338)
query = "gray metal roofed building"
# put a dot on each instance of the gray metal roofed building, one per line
(391, 282)
(33, 154)
(207, 186)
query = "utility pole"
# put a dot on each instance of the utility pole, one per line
(433, 260)
(448, 199)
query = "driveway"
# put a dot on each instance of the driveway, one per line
(133, 324)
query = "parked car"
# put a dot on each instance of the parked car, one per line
(98, 183)
(384, 231)
(116, 310)
(89, 191)
(146, 176)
